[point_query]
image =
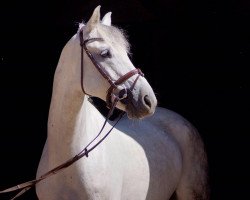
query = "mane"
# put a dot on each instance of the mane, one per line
(113, 35)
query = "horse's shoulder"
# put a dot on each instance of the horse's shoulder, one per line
(194, 175)
(172, 120)
(177, 126)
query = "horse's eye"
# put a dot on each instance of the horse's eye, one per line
(106, 53)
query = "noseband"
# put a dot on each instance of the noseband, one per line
(125, 94)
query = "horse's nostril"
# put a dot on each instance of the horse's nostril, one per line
(147, 101)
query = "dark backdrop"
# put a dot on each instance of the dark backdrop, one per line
(194, 53)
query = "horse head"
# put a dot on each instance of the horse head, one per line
(107, 48)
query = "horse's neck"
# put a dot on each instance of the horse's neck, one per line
(70, 113)
(70, 118)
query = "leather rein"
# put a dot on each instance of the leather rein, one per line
(112, 99)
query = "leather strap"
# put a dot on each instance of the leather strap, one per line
(120, 81)
(123, 94)
(113, 84)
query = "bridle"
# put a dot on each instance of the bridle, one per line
(124, 96)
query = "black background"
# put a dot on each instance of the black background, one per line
(194, 53)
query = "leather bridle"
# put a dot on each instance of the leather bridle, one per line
(124, 96)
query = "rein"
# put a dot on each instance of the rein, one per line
(24, 187)
(111, 100)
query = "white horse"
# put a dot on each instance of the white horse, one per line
(156, 156)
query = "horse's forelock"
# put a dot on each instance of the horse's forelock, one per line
(113, 35)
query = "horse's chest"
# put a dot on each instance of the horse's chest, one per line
(112, 170)
(134, 166)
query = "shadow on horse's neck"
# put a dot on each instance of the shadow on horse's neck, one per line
(100, 105)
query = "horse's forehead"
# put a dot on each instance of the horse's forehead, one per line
(113, 36)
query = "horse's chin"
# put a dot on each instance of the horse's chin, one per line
(135, 116)
(135, 112)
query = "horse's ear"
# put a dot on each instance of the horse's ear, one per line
(106, 20)
(94, 19)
